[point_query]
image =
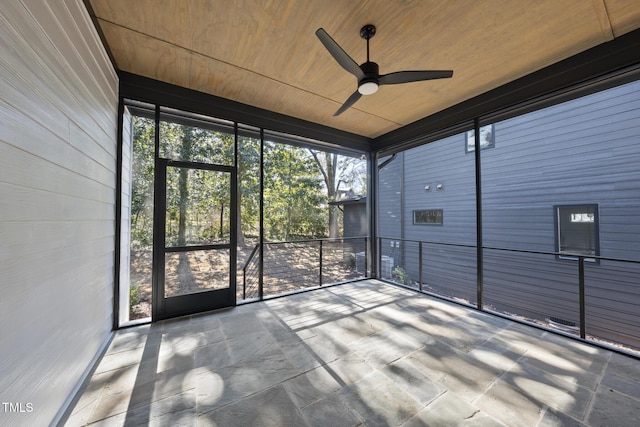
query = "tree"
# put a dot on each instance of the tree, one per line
(337, 170)
(142, 166)
(328, 165)
(186, 149)
(248, 195)
(292, 193)
(196, 195)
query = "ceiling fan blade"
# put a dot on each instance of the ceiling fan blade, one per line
(413, 76)
(348, 103)
(339, 55)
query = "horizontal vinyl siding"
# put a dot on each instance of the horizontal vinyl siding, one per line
(441, 162)
(58, 108)
(390, 197)
(581, 152)
(447, 270)
(612, 292)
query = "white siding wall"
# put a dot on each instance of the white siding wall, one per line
(58, 116)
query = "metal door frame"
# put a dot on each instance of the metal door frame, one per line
(165, 308)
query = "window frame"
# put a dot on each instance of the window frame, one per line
(470, 139)
(591, 258)
(439, 224)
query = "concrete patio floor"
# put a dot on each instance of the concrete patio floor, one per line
(363, 353)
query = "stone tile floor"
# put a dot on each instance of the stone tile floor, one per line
(358, 354)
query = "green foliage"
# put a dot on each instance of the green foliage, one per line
(249, 185)
(400, 276)
(142, 182)
(293, 194)
(298, 185)
(134, 296)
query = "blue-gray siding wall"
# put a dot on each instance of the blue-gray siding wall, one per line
(390, 197)
(583, 152)
(448, 270)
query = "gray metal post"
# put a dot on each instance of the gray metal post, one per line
(320, 265)
(420, 264)
(583, 327)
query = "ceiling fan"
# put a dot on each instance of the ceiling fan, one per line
(368, 75)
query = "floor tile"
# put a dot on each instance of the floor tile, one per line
(611, 408)
(412, 379)
(359, 354)
(451, 410)
(311, 386)
(379, 400)
(349, 368)
(519, 397)
(269, 408)
(330, 411)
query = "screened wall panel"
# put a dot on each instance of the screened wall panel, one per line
(137, 228)
(560, 188)
(565, 179)
(434, 180)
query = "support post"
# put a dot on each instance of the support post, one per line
(420, 265)
(320, 265)
(583, 327)
(261, 249)
(479, 252)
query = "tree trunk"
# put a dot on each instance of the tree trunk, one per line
(221, 232)
(183, 198)
(183, 187)
(329, 167)
(238, 218)
(331, 162)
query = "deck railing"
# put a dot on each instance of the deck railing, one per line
(596, 298)
(295, 265)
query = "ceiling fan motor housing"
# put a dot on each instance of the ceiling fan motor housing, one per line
(369, 84)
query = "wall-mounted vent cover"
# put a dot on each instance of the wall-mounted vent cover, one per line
(560, 323)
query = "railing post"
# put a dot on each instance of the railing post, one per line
(366, 256)
(420, 265)
(320, 263)
(379, 256)
(479, 243)
(583, 327)
(244, 283)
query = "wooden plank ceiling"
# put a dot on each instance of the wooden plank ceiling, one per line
(265, 53)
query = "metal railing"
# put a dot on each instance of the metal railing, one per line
(301, 264)
(596, 298)
(251, 274)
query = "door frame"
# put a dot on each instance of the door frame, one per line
(165, 308)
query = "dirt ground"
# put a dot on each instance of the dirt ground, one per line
(287, 267)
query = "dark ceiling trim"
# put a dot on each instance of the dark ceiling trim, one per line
(103, 39)
(616, 55)
(144, 89)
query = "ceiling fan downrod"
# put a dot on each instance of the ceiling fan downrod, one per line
(368, 85)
